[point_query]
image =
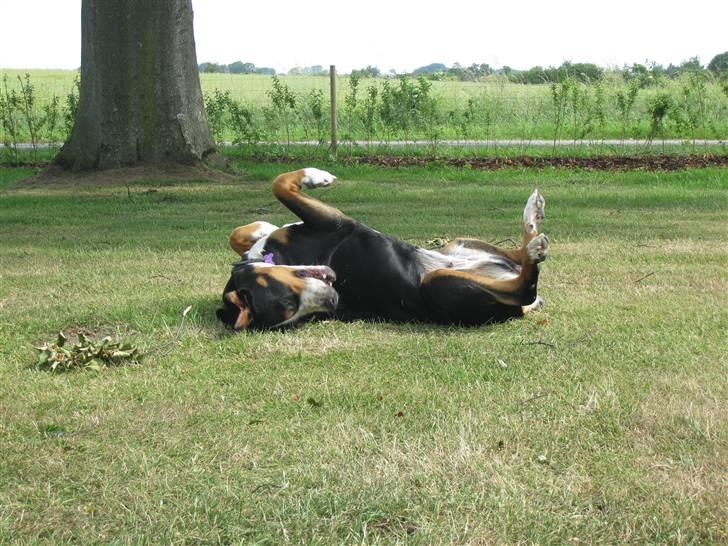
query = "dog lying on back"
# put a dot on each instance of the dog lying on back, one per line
(329, 263)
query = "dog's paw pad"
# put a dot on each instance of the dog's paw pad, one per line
(316, 178)
(534, 211)
(538, 248)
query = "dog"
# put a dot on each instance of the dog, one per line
(331, 264)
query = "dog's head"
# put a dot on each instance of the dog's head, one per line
(262, 295)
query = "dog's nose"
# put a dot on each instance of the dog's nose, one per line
(333, 301)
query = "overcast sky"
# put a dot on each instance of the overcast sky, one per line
(400, 35)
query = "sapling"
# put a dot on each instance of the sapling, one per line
(692, 102)
(316, 106)
(27, 94)
(388, 110)
(69, 114)
(284, 103)
(658, 109)
(560, 98)
(369, 114)
(350, 106)
(598, 107)
(625, 102)
(51, 118)
(9, 109)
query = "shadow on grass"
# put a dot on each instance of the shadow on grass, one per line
(206, 320)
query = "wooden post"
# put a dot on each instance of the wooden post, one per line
(332, 76)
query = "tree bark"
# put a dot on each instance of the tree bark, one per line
(140, 99)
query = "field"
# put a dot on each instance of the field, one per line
(252, 109)
(602, 419)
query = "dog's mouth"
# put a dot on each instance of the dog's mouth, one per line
(322, 273)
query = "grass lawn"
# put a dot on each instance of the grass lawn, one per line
(601, 419)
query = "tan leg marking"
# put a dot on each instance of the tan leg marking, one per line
(244, 237)
(287, 189)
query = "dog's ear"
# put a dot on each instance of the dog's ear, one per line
(236, 312)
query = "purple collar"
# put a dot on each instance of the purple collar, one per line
(268, 258)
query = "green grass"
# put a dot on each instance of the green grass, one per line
(601, 419)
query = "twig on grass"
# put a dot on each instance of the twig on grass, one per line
(166, 349)
(266, 485)
(643, 278)
(533, 398)
(263, 209)
(539, 343)
(583, 337)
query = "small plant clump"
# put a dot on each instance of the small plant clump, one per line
(85, 354)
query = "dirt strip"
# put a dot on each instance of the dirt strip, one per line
(597, 163)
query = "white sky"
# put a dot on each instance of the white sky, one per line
(400, 35)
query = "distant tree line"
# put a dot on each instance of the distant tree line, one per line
(315, 70)
(238, 67)
(645, 75)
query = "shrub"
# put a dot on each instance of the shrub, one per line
(216, 106)
(719, 63)
(69, 115)
(243, 124)
(659, 107)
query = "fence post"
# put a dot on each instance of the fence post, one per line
(332, 76)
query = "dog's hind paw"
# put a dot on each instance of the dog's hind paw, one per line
(538, 248)
(537, 305)
(316, 178)
(534, 211)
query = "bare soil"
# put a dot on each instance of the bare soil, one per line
(57, 176)
(598, 163)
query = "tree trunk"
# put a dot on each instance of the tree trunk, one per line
(140, 100)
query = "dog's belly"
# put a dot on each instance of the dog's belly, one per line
(378, 276)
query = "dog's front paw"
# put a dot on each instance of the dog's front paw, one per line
(538, 248)
(315, 178)
(534, 211)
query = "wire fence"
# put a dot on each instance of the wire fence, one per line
(253, 112)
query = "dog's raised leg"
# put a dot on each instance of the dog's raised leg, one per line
(517, 291)
(314, 213)
(533, 213)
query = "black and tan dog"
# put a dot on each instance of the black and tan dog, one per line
(330, 263)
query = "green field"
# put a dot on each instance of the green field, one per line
(602, 419)
(687, 108)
